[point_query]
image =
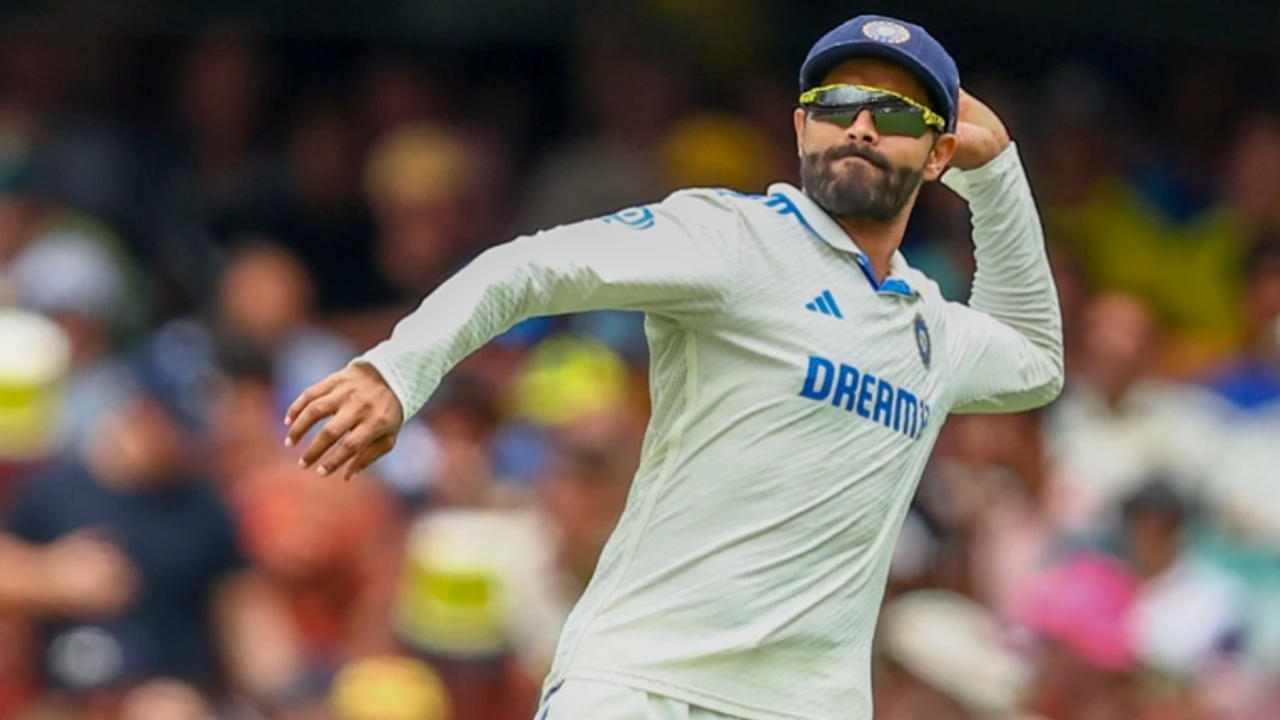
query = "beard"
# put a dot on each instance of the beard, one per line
(858, 193)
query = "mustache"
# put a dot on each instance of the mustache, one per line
(847, 151)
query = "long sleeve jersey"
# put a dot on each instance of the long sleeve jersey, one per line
(795, 401)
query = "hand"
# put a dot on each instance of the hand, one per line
(87, 576)
(164, 699)
(981, 134)
(364, 419)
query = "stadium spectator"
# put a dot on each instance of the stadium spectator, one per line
(188, 608)
(1117, 423)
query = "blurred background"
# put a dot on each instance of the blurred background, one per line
(207, 206)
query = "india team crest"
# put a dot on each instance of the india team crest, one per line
(923, 343)
(886, 31)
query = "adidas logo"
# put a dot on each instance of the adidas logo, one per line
(825, 304)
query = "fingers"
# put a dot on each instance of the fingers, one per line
(362, 414)
(357, 437)
(320, 406)
(312, 413)
(333, 431)
(310, 394)
(365, 457)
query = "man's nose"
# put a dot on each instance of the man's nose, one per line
(863, 128)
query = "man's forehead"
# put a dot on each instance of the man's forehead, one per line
(881, 73)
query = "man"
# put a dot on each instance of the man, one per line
(1251, 380)
(1119, 423)
(800, 373)
(180, 603)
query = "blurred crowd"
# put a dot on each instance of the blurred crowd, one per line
(182, 251)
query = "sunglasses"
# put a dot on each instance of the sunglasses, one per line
(892, 113)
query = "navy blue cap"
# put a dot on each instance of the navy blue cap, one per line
(175, 367)
(905, 43)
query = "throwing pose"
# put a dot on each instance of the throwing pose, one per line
(800, 372)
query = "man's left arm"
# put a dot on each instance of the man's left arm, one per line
(1005, 348)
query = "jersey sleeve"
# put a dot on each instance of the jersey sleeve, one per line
(1005, 346)
(672, 259)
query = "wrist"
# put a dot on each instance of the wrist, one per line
(994, 158)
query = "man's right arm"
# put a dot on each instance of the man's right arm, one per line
(673, 258)
(667, 259)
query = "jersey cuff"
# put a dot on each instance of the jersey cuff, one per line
(967, 183)
(389, 376)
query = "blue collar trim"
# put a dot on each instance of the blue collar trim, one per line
(787, 200)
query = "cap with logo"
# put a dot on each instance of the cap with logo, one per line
(899, 41)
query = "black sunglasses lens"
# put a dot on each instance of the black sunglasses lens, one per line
(841, 117)
(890, 121)
(901, 121)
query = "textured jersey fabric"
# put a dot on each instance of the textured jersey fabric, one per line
(578, 699)
(795, 403)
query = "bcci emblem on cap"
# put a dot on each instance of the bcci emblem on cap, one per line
(923, 344)
(886, 31)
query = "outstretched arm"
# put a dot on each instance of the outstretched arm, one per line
(670, 258)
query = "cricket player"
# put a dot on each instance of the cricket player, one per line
(800, 372)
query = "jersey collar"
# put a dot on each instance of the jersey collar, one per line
(829, 231)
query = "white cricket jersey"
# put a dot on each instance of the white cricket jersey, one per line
(795, 402)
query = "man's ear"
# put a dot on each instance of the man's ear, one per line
(798, 118)
(939, 155)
